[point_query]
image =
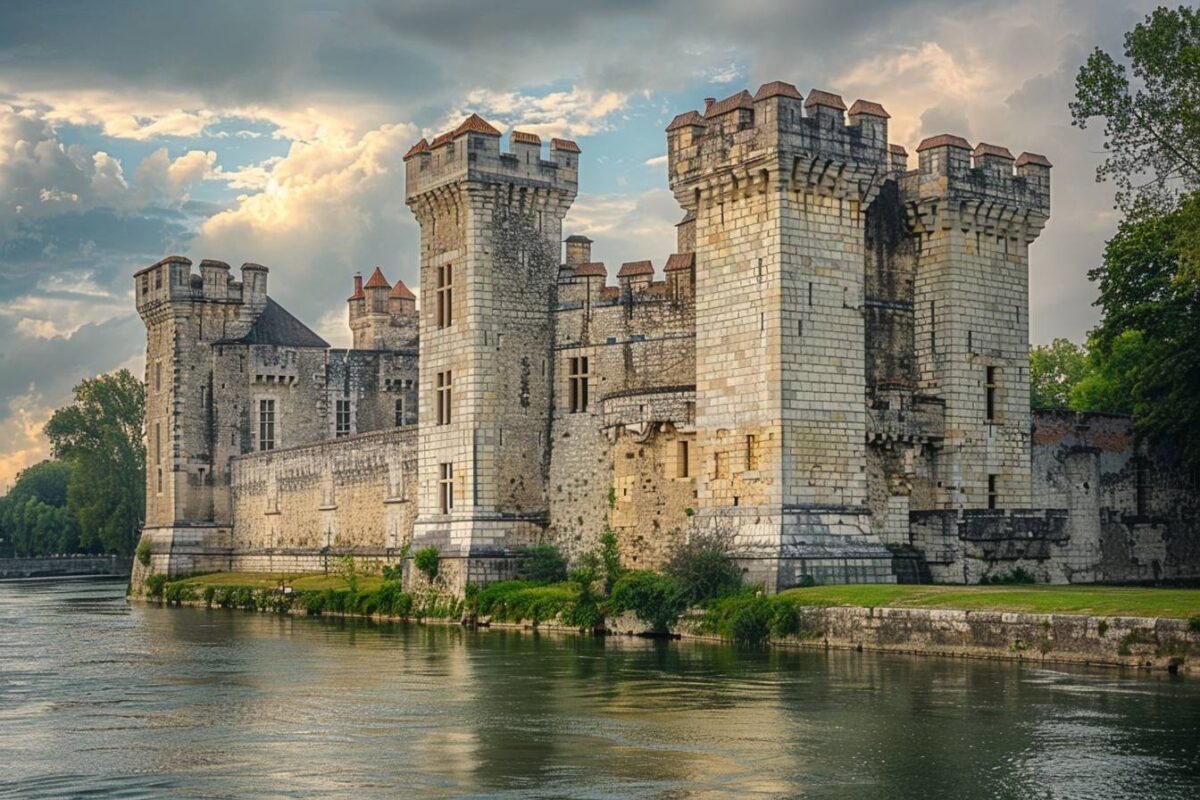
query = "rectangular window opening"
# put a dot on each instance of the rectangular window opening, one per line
(343, 418)
(577, 383)
(992, 491)
(266, 424)
(445, 296)
(446, 487)
(399, 411)
(444, 397)
(990, 397)
(682, 458)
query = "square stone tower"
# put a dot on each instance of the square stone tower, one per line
(187, 485)
(491, 232)
(779, 187)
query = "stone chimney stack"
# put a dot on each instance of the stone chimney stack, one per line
(579, 250)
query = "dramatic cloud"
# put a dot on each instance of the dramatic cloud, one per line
(273, 132)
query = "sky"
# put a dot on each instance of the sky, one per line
(273, 131)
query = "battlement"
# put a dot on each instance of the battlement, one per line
(471, 152)
(750, 133)
(382, 316)
(986, 186)
(172, 280)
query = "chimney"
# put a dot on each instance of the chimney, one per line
(579, 250)
(708, 102)
(357, 286)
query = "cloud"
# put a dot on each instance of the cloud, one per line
(627, 228)
(574, 112)
(656, 161)
(328, 209)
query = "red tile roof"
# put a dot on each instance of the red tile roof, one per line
(679, 262)
(592, 269)
(869, 108)
(740, 100)
(418, 148)
(984, 149)
(777, 89)
(828, 99)
(610, 292)
(1033, 158)
(377, 281)
(631, 268)
(441, 139)
(685, 120)
(898, 149)
(522, 136)
(944, 140)
(401, 291)
(475, 124)
(564, 144)
(212, 262)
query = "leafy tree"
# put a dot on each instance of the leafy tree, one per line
(704, 569)
(543, 563)
(426, 560)
(34, 518)
(1145, 354)
(1054, 370)
(1151, 109)
(100, 436)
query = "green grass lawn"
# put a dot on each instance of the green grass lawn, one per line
(269, 580)
(1103, 601)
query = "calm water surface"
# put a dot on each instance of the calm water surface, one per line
(102, 699)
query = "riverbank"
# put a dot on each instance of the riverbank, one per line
(62, 566)
(1146, 628)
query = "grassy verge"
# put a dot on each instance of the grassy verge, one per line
(271, 580)
(1100, 601)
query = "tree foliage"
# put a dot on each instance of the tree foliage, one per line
(34, 517)
(1145, 353)
(1150, 102)
(1054, 370)
(100, 436)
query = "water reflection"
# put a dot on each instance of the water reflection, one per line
(119, 701)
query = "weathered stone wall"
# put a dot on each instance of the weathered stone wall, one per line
(357, 493)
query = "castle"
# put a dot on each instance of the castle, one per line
(830, 372)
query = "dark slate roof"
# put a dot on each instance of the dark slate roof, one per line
(275, 325)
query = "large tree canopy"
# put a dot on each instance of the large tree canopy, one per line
(34, 518)
(1054, 370)
(1151, 109)
(100, 436)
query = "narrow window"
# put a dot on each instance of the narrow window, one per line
(718, 465)
(157, 443)
(446, 487)
(682, 458)
(810, 293)
(992, 491)
(577, 369)
(444, 398)
(399, 411)
(751, 453)
(158, 376)
(970, 341)
(158, 278)
(160, 480)
(445, 296)
(343, 417)
(990, 389)
(266, 424)
(933, 326)
(145, 284)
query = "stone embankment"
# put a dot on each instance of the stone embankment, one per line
(54, 566)
(1142, 642)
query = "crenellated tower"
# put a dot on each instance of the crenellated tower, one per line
(974, 214)
(491, 226)
(187, 486)
(777, 187)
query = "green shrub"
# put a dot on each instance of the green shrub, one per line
(610, 559)
(1194, 624)
(520, 601)
(178, 593)
(210, 592)
(704, 570)
(426, 560)
(656, 598)
(1014, 577)
(242, 597)
(313, 602)
(751, 622)
(543, 563)
(143, 553)
(155, 584)
(348, 571)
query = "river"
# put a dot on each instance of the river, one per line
(99, 698)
